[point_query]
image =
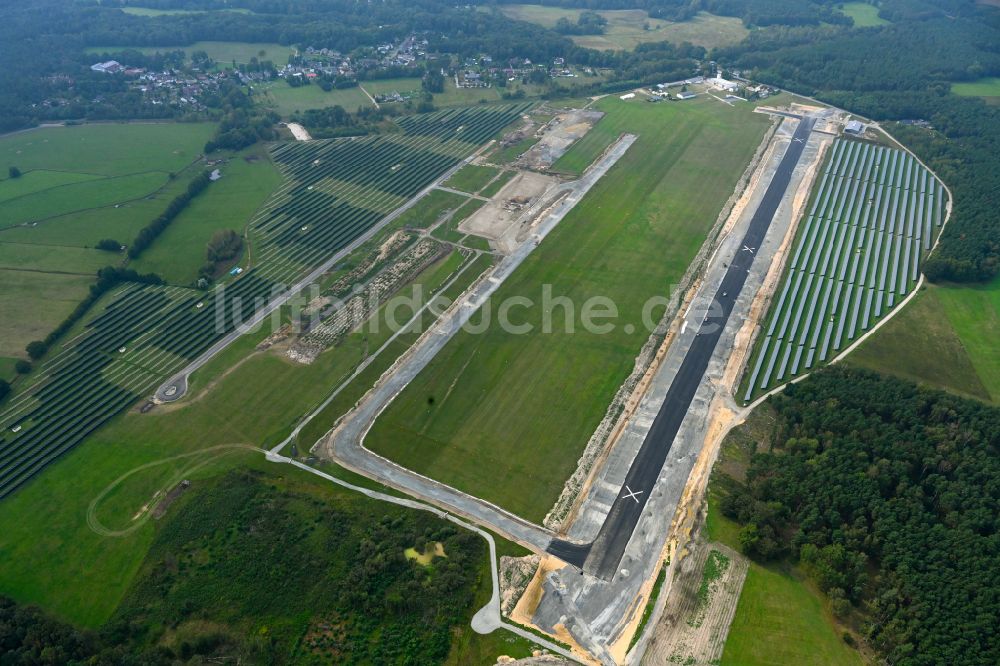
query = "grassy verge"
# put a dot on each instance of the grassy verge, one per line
(647, 611)
(523, 406)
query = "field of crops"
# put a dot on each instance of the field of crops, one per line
(334, 192)
(873, 216)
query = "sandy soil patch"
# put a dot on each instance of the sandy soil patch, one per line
(503, 219)
(559, 135)
(695, 622)
(299, 132)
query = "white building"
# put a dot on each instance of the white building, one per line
(723, 84)
(109, 67)
(854, 127)
(627, 96)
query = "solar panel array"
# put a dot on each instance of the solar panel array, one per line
(873, 217)
(334, 191)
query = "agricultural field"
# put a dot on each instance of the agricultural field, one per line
(333, 192)
(20, 292)
(71, 169)
(78, 185)
(627, 28)
(223, 53)
(247, 179)
(864, 14)
(524, 406)
(286, 100)
(874, 214)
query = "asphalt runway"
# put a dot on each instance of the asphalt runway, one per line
(602, 556)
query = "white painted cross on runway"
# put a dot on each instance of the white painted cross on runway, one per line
(632, 494)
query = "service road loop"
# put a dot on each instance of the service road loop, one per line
(345, 443)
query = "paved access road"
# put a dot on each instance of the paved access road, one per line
(601, 558)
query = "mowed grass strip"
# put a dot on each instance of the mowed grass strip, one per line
(505, 416)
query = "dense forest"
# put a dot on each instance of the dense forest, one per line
(250, 572)
(889, 496)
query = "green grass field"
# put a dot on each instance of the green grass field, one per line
(960, 323)
(41, 300)
(79, 184)
(286, 100)
(780, 620)
(106, 149)
(223, 53)
(472, 178)
(627, 28)
(83, 229)
(229, 203)
(429, 209)
(523, 406)
(864, 14)
(987, 87)
(39, 181)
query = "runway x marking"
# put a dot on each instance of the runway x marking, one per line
(747, 248)
(632, 494)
